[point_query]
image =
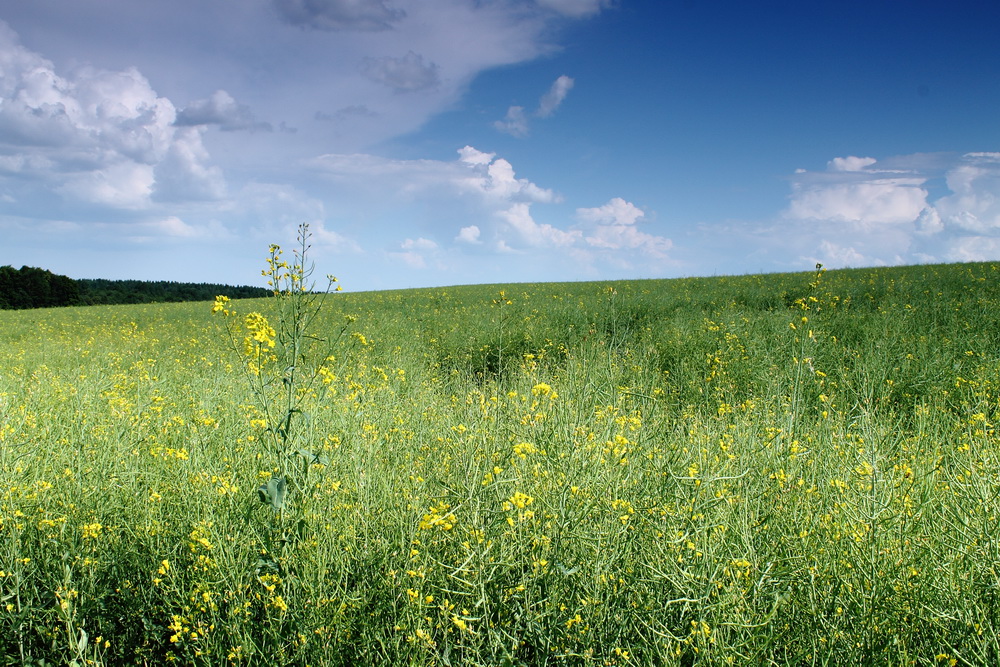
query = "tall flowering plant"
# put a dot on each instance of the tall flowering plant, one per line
(283, 355)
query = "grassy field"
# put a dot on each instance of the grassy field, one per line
(796, 469)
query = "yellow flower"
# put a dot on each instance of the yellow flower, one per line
(221, 305)
(91, 531)
(541, 389)
(519, 500)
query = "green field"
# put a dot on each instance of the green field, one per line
(795, 469)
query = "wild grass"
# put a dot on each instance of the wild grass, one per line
(795, 469)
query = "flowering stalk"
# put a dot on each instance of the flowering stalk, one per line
(282, 358)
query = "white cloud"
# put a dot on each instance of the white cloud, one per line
(419, 244)
(472, 156)
(515, 123)
(552, 99)
(97, 136)
(613, 227)
(489, 191)
(169, 227)
(850, 163)
(852, 191)
(615, 212)
(535, 235)
(474, 172)
(972, 249)
(868, 212)
(469, 235)
(974, 204)
(185, 172)
(879, 201)
(123, 185)
(327, 239)
(929, 221)
(500, 182)
(407, 74)
(414, 260)
(414, 253)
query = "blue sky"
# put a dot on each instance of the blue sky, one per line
(440, 142)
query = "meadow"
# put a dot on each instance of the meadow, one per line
(795, 469)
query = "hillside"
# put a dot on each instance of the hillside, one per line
(790, 469)
(30, 287)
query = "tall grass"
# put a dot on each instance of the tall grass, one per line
(792, 469)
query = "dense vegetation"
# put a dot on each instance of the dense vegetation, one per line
(794, 469)
(30, 287)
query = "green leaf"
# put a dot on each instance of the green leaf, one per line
(273, 493)
(313, 458)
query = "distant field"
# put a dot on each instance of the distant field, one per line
(796, 469)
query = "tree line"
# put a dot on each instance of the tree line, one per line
(30, 287)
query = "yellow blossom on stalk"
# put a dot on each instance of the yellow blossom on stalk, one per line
(542, 389)
(222, 305)
(519, 500)
(438, 516)
(259, 329)
(259, 340)
(523, 449)
(91, 531)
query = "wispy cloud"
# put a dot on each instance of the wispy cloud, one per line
(407, 74)
(515, 123)
(557, 93)
(338, 15)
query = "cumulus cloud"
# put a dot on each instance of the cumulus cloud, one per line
(222, 110)
(122, 185)
(484, 175)
(469, 235)
(507, 210)
(615, 212)
(185, 172)
(535, 235)
(862, 211)
(972, 249)
(613, 227)
(97, 136)
(515, 123)
(495, 178)
(974, 204)
(405, 75)
(335, 15)
(854, 191)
